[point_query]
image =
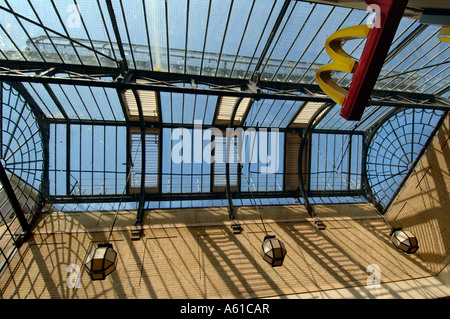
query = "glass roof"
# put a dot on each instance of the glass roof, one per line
(181, 47)
(212, 38)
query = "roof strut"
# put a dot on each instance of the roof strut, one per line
(303, 141)
(112, 16)
(140, 211)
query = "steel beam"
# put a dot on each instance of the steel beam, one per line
(304, 138)
(34, 72)
(140, 210)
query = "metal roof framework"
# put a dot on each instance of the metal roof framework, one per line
(84, 67)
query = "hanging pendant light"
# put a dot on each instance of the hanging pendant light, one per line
(404, 240)
(101, 262)
(273, 251)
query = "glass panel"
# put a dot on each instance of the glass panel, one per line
(43, 99)
(271, 113)
(262, 161)
(395, 147)
(151, 160)
(186, 165)
(420, 67)
(183, 108)
(334, 163)
(157, 35)
(13, 38)
(97, 159)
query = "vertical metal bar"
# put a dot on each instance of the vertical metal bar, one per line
(160, 160)
(113, 52)
(227, 162)
(272, 34)
(143, 150)
(87, 33)
(79, 153)
(167, 36)
(1, 116)
(112, 17)
(186, 38)
(128, 34)
(350, 142)
(92, 157)
(206, 37)
(104, 159)
(129, 161)
(224, 37)
(242, 38)
(68, 152)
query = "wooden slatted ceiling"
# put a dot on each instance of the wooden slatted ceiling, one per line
(149, 102)
(306, 113)
(226, 105)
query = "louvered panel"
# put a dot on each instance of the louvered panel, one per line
(149, 102)
(152, 166)
(219, 166)
(304, 116)
(226, 105)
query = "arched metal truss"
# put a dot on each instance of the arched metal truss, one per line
(392, 149)
(22, 163)
(22, 152)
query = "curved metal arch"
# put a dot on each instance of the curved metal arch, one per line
(303, 141)
(23, 127)
(23, 134)
(369, 138)
(44, 132)
(367, 141)
(140, 211)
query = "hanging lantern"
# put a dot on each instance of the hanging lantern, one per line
(101, 262)
(273, 251)
(404, 240)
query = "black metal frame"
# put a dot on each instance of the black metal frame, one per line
(369, 136)
(94, 76)
(122, 77)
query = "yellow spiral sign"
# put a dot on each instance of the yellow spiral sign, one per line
(342, 61)
(444, 35)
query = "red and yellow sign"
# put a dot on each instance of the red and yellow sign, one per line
(367, 69)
